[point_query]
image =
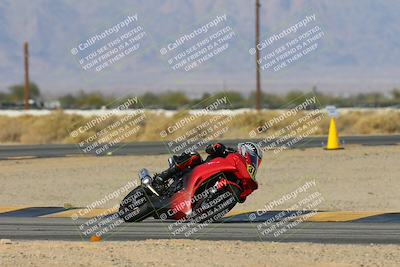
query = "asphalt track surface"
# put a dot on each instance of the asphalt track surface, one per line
(155, 148)
(335, 232)
(356, 232)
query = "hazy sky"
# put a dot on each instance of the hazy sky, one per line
(196, 46)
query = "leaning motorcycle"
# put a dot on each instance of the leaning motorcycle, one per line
(202, 194)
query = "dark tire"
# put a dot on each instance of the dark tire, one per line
(216, 205)
(135, 206)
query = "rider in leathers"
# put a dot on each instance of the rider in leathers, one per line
(188, 161)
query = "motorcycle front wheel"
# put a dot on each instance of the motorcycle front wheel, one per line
(135, 206)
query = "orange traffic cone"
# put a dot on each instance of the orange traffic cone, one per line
(333, 137)
(95, 238)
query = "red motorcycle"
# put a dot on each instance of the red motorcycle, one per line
(202, 194)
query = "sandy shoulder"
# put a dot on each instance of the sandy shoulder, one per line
(194, 253)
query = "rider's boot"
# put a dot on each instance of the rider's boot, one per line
(160, 178)
(178, 164)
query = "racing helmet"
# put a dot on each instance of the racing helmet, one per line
(252, 154)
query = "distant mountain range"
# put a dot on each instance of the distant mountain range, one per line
(360, 49)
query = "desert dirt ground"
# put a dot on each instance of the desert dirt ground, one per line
(359, 178)
(194, 253)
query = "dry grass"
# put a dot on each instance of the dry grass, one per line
(55, 128)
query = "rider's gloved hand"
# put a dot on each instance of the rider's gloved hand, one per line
(217, 149)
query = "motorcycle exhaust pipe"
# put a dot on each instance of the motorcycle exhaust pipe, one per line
(146, 180)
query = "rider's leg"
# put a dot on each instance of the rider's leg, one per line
(180, 163)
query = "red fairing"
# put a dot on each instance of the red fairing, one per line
(233, 163)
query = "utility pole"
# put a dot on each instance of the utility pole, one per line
(26, 87)
(258, 82)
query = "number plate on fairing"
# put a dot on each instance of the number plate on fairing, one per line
(252, 171)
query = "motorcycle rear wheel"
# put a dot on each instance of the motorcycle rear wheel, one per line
(206, 212)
